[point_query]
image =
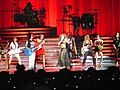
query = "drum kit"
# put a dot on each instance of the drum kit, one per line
(33, 18)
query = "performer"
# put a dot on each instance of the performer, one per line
(30, 51)
(14, 51)
(64, 60)
(87, 50)
(40, 51)
(98, 49)
(69, 46)
(116, 45)
(4, 51)
(30, 16)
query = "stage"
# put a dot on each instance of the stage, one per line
(76, 65)
(52, 50)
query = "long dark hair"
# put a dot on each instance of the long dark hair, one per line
(14, 41)
(29, 37)
(117, 38)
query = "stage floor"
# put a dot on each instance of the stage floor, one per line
(76, 65)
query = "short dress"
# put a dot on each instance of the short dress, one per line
(41, 51)
(99, 46)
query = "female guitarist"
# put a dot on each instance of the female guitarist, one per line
(40, 51)
(87, 50)
(4, 51)
(14, 51)
(98, 49)
(30, 51)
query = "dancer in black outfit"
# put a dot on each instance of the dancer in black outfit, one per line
(116, 44)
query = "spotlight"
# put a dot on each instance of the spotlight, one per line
(76, 86)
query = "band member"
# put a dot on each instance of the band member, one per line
(30, 16)
(87, 50)
(40, 51)
(30, 51)
(116, 44)
(98, 49)
(4, 51)
(69, 46)
(64, 60)
(14, 51)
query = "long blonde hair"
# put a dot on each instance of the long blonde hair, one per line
(87, 37)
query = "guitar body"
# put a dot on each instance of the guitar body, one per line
(1, 51)
(85, 49)
(27, 51)
(99, 48)
(5, 51)
(15, 51)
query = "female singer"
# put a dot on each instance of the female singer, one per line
(30, 46)
(64, 60)
(87, 50)
(40, 51)
(98, 49)
(14, 51)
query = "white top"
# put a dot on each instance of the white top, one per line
(14, 45)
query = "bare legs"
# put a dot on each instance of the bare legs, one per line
(89, 53)
(5, 58)
(43, 58)
(101, 54)
(10, 59)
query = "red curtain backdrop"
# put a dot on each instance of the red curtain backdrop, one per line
(108, 12)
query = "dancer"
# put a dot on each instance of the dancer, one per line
(116, 45)
(40, 51)
(98, 49)
(87, 50)
(64, 60)
(14, 51)
(30, 51)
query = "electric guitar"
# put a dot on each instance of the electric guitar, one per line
(4, 51)
(28, 51)
(15, 51)
(84, 49)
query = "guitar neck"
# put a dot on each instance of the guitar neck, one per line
(75, 47)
